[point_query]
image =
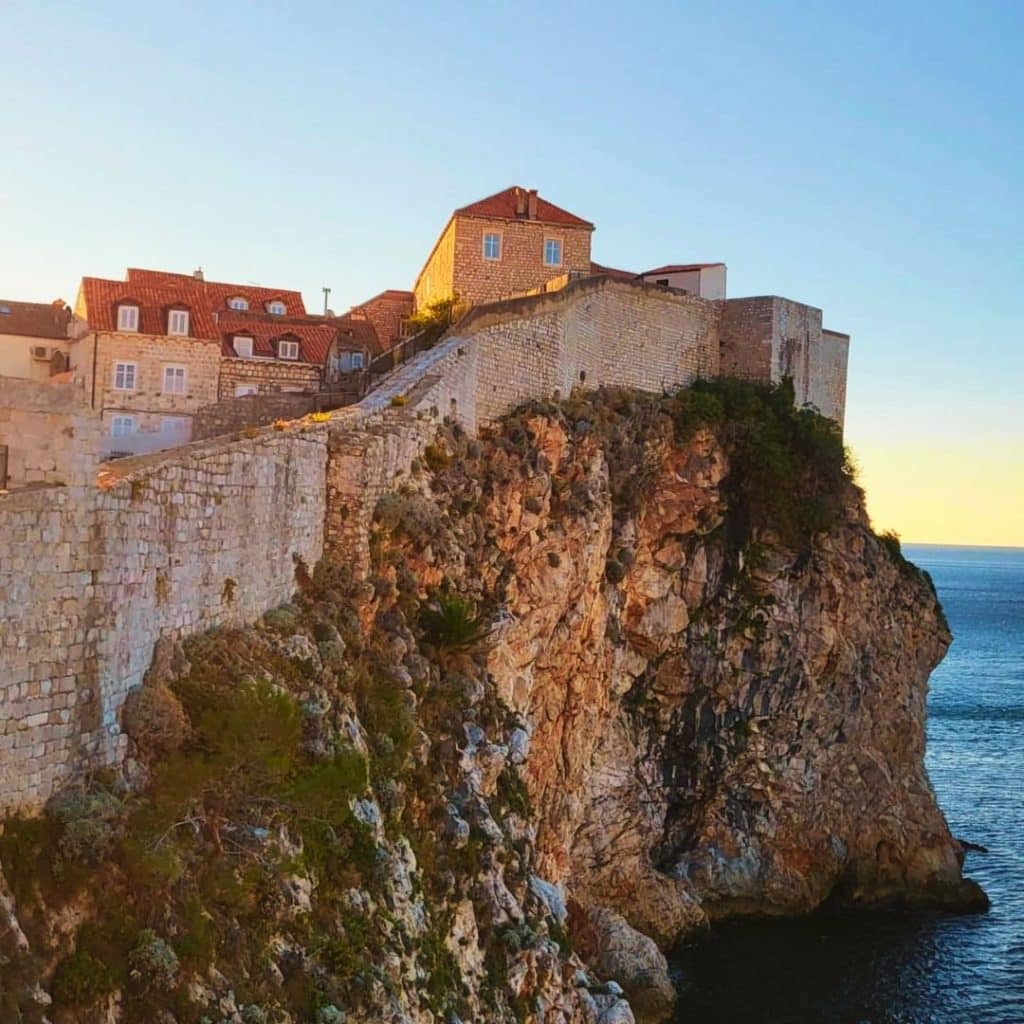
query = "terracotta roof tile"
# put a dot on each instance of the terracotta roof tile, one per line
(502, 206)
(155, 292)
(34, 319)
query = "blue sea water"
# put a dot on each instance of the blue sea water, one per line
(913, 968)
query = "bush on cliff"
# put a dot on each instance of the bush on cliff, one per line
(789, 469)
(451, 623)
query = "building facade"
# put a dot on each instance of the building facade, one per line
(34, 338)
(160, 346)
(388, 313)
(504, 245)
(706, 280)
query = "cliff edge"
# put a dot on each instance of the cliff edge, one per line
(623, 666)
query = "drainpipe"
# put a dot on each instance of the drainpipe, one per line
(95, 343)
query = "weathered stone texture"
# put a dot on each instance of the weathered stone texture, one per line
(51, 435)
(267, 375)
(177, 542)
(457, 265)
(768, 338)
(91, 577)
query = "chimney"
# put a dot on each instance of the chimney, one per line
(198, 273)
(532, 204)
(520, 202)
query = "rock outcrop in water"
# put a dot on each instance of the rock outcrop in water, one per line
(625, 666)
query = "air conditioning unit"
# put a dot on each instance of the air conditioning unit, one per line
(41, 352)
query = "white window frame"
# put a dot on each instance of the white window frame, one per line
(242, 339)
(128, 317)
(239, 302)
(357, 361)
(496, 235)
(177, 322)
(289, 346)
(170, 424)
(277, 308)
(126, 376)
(119, 423)
(171, 370)
(559, 243)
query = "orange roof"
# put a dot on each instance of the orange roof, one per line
(34, 319)
(502, 206)
(314, 334)
(157, 291)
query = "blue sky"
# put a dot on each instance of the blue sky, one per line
(865, 158)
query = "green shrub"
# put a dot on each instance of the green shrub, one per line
(890, 540)
(451, 623)
(154, 718)
(154, 961)
(435, 457)
(81, 979)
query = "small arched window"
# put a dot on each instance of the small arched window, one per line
(276, 307)
(238, 302)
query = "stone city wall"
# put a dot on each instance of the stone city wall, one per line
(267, 375)
(51, 436)
(592, 333)
(90, 577)
(177, 542)
(768, 338)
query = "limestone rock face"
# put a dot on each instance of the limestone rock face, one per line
(714, 730)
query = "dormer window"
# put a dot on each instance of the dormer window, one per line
(243, 346)
(276, 307)
(127, 318)
(238, 302)
(287, 350)
(177, 322)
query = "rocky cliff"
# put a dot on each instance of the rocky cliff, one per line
(624, 666)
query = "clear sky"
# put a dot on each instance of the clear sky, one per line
(866, 158)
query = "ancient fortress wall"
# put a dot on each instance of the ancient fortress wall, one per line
(209, 534)
(768, 338)
(90, 577)
(51, 436)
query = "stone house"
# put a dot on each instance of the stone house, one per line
(507, 244)
(388, 312)
(34, 338)
(160, 346)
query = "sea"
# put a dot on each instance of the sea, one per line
(912, 968)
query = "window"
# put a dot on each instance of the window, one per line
(552, 252)
(492, 245)
(124, 376)
(127, 318)
(276, 307)
(288, 350)
(662, 281)
(173, 425)
(120, 426)
(243, 346)
(174, 380)
(238, 302)
(177, 322)
(349, 361)
(245, 389)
